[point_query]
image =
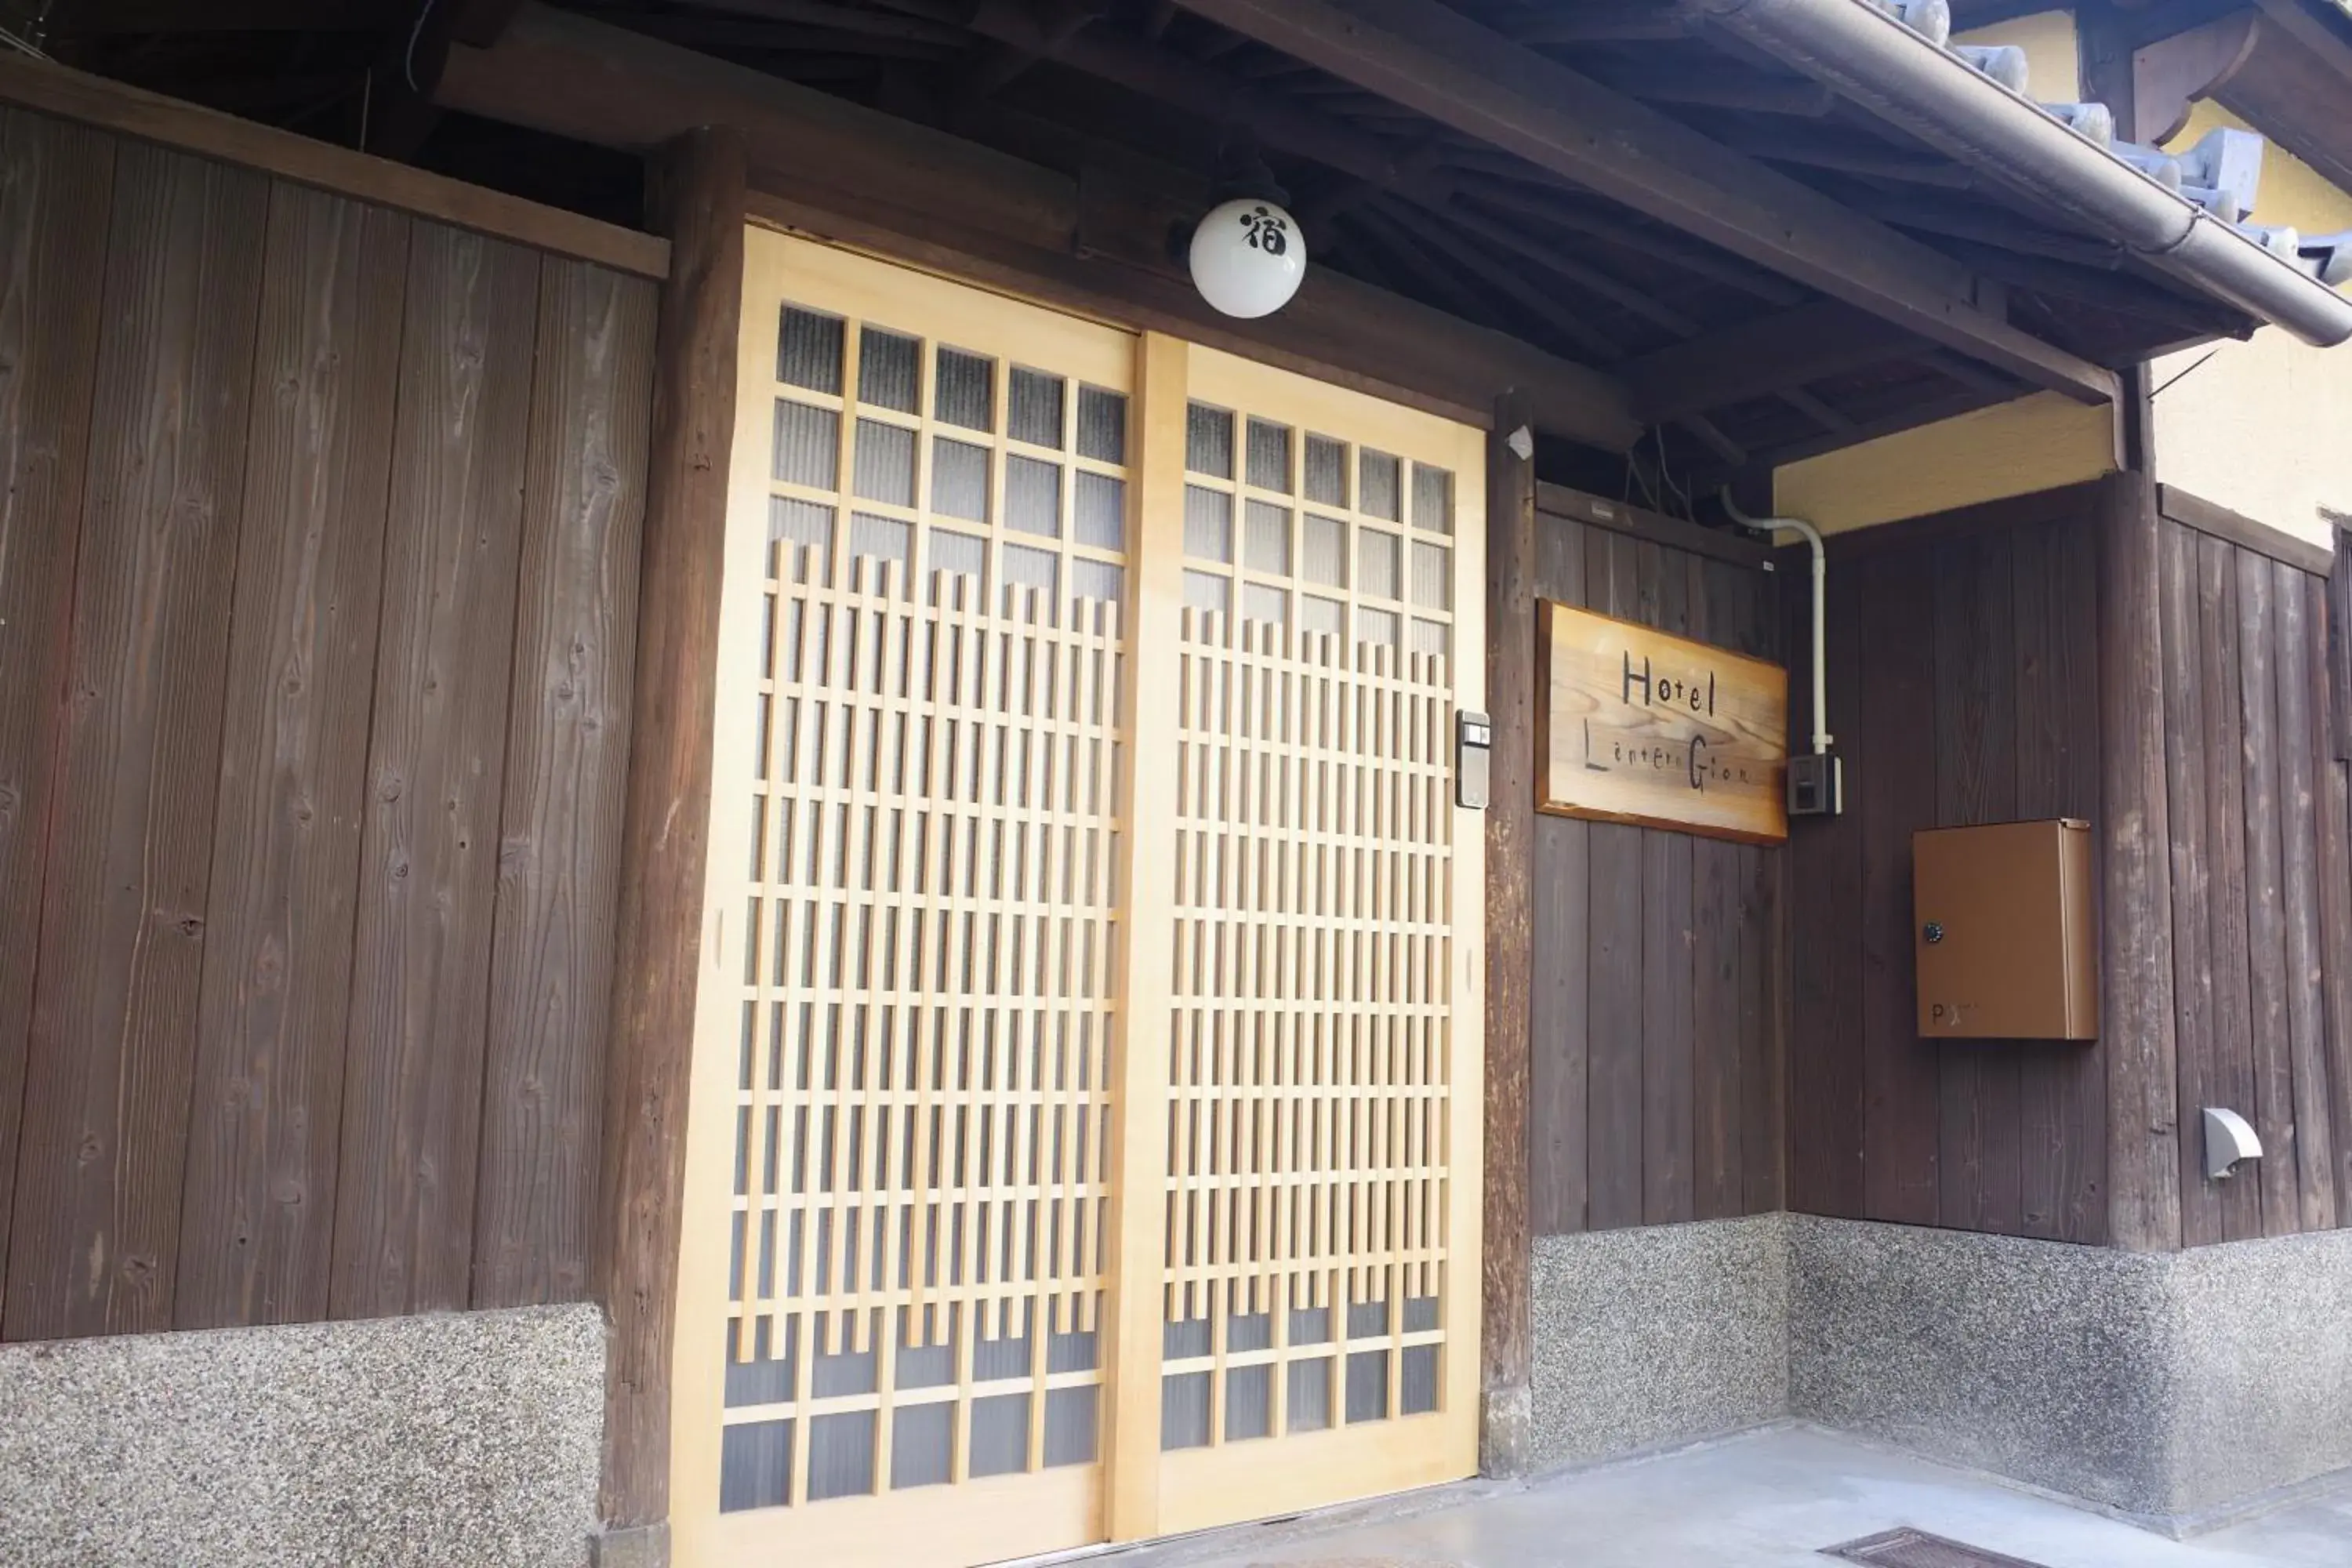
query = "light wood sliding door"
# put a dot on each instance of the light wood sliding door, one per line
(1083, 1141)
(1318, 1302)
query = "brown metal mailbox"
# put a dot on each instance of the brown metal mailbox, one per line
(2006, 932)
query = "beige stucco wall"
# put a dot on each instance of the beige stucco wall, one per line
(2264, 428)
(2036, 443)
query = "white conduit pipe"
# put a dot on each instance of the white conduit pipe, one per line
(1821, 610)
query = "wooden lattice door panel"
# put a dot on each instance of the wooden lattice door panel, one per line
(1084, 1128)
(1319, 1295)
(899, 1168)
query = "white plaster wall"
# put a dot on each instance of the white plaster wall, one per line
(2264, 428)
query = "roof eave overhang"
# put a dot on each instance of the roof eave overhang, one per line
(1870, 57)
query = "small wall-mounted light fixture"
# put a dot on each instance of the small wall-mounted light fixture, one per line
(1247, 256)
(2228, 1140)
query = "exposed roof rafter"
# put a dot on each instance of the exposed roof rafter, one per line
(1419, 53)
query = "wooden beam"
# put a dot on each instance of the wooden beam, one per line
(2105, 289)
(1002, 64)
(93, 100)
(1740, 547)
(1448, 67)
(1215, 95)
(2196, 512)
(480, 22)
(1610, 22)
(799, 49)
(1666, 246)
(1987, 225)
(1970, 375)
(1728, 452)
(2171, 75)
(402, 112)
(1370, 161)
(1814, 408)
(851, 175)
(1431, 245)
(1851, 150)
(105, 19)
(666, 825)
(837, 17)
(2293, 88)
(1761, 358)
(2136, 935)
(1909, 416)
(1506, 1436)
(1555, 260)
(1720, 88)
(1374, 163)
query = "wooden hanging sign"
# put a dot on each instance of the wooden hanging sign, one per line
(1637, 725)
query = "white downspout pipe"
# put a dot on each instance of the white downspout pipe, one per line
(1812, 536)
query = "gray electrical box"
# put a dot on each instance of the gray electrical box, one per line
(1816, 784)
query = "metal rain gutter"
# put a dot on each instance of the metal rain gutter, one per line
(1873, 57)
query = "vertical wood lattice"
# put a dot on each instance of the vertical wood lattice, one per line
(1315, 1269)
(920, 959)
(930, 901)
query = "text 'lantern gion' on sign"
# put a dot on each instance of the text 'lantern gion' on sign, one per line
(1640, 726)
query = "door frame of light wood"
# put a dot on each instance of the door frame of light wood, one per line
(1134, 1490)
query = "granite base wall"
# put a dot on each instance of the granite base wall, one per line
(463, 1439)
(2176, 1388)
(1657, 1335)
(2172, 1386)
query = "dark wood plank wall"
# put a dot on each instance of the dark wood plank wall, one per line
(319, 542)
(259, 1208)
(1963, 689)
(2335, 765)
(94, 1247)
(567, 757)
(436, 755)
(2262, 884)
(1656, 1071)
(56, 186)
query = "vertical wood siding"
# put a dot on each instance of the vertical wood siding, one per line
(318, 569)
(1964, 689)
(567, 751)
(261, 1198)
(95, 1247)
(2261, 883)
(437, 756)
(1656, 1088)
(57, 185)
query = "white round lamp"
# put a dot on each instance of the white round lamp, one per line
(1248, 258)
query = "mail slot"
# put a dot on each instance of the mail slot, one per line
(2006, 932)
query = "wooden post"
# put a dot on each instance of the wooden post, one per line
(1507, 1416)
(1139, 1085)
(701, 192)
(2143, 1095)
